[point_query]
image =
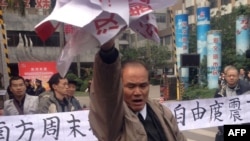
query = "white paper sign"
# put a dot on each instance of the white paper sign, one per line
(104, 19)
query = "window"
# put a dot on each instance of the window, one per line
(160, 17)
(124, 36)
(190, 10)
(162, 41)
(13, 39)
(213, 3)
(167, 40)
(225, 2)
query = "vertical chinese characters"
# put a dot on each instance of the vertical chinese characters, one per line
(179, 113)
(234, 107)
(25, 129)
(4, 132)
(198, 112)
(74, 127)
(51, 127)
(215, 111)
(102, 25)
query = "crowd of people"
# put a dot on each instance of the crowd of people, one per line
(120, 106)
(232, 82)
(24, 99)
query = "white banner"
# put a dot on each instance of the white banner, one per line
(74, 126)
(203, 113)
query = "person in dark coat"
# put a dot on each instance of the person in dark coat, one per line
(72, 99)
(39, 88)
(29, 88)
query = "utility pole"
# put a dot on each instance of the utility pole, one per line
(4, 58)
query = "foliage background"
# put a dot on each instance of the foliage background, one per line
(227, 25)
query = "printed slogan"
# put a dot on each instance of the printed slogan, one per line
(74, 126)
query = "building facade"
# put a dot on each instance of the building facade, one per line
(165, 26)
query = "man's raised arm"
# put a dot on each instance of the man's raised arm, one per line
(106, 107)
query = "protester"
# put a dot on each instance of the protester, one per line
(115, 106)
(248, 76)
(39, 87)
(242, 74)
(221, 80)
(55, 100)
(22, 103)
(88, 87)
(234, 86)
(71, 92)
(30, 89)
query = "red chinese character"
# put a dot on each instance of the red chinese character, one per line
(184, 39)
(215, 72)
(215, 48)
(184, 31)
(39, 3)
(215, 56)
(102, 25)
(68, 29)
(184, 24)
(46, 4)
(215, 64)
(145, 28)
(216, 40)
(202, 14)
(27, 3)
(151, 29)
(138, 8)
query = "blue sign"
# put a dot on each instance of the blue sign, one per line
(203, 26)
(181, 36)
(213, 58)
(242, 34)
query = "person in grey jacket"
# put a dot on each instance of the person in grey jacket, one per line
(55, 100)
(120, 109)
(22, 103)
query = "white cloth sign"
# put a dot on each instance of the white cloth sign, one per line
(203, 113)
(74, 126)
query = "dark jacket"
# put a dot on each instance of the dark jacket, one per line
(39, 90)
(241, 88)
(30, 90)
(76, 106)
